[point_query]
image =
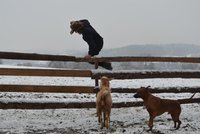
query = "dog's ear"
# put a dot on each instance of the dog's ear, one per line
(147, 87)
(111, 79)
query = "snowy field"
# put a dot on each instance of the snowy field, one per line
(72, 121)
(68, 121)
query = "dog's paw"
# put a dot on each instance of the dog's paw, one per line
(149, 130)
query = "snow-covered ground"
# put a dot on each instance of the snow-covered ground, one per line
(123, 120)
(69, 121)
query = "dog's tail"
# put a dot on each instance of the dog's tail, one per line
(188, 100)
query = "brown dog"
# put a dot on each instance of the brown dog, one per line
(157, 106)
(104, 102)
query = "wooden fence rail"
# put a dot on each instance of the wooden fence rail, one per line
(47, 89)
(88, 89)
(45, 72)
(148, 74)
(94, 75)
(57, 105)
(141, 59)
(159, 90)
(33, 56)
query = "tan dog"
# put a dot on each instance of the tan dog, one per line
(104, 102)
(157, 106)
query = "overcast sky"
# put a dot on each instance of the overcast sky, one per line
(43, 25)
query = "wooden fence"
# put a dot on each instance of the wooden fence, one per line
(91, 74)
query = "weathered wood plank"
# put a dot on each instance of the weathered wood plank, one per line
(44, 72)
(47, 89)
(141, 59)
(147, 74)
(64, 105)
(88, 89)
(46, 57)
(159, 90)
(34, 105)
(34, 56)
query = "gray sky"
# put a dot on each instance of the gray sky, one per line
(43, 25)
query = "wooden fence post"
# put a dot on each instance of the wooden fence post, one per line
(96, 79)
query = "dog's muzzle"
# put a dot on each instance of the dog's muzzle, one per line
(137, 96)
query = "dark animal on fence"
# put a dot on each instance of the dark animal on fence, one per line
(104, 102)
(157, 106)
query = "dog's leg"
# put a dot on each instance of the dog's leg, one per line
(101, 122)
(174, 124)
(178, 120)
(107, 120)
(98, 114)
(179, 123)
(175, 117)
(151, 122)
(104, 118)
(99, 118)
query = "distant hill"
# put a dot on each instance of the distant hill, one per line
(154, 50)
